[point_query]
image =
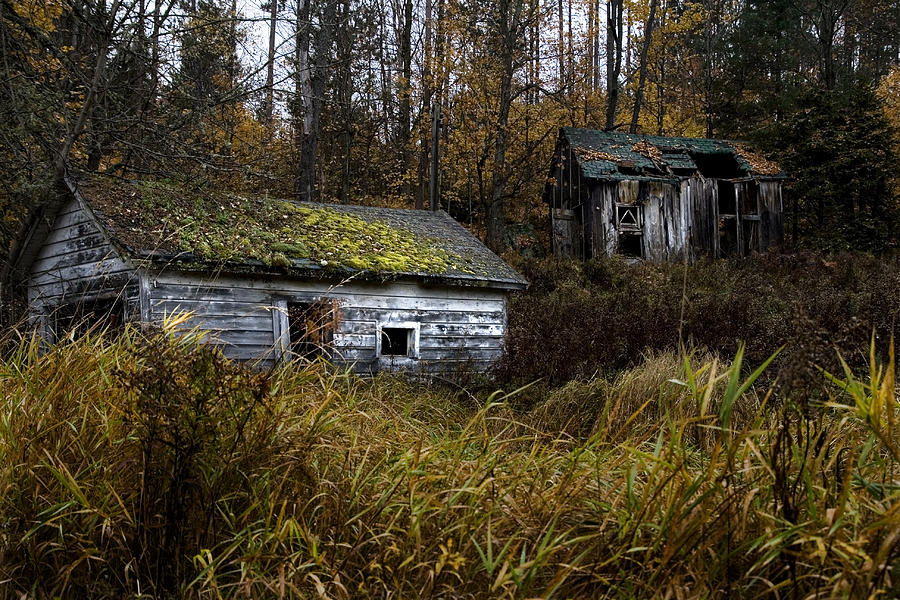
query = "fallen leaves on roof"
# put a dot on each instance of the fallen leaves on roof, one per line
(647, 149)
(591, 154)
(759, 164)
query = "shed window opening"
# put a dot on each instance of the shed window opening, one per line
(727, 199)
(629, 217)
(77, 319)
(749, 201)
(395, 341)
(631, 246)
(311, 326)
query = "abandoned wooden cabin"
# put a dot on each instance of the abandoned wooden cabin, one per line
(660, 198)
(374, 288)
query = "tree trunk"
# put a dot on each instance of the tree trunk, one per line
(270, 67)
(570, 68)
(562, 49)
(613, 59)
(404, 123)
(425, 122)
(509, 23)
(403, 120)
(311, 75)
(642, 77)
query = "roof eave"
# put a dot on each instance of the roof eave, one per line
(159, 260)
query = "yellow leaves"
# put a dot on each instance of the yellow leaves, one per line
(449, 558)
(649, 150)
(889, 93)
(42, 14)
(757, 162)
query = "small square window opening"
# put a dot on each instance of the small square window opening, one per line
(395, 341)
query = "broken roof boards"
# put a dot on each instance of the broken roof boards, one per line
(660, 198)
(371, 287)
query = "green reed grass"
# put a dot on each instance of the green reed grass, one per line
(149, 466)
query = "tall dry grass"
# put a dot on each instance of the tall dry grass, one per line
(149, 466)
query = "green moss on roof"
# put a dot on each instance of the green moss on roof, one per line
(227, 227)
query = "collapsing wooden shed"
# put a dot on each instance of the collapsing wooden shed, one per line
(660, 198)
(373, 288)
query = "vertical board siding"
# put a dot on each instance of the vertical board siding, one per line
(76, 263)
(771, 228)
(245, 317)
(681, 217)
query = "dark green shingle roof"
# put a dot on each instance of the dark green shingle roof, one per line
(615, 156)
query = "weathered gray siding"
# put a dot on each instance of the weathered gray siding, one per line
(683, 218)
(702, 196)
(76, 264)
(457, 326)
(771, 209)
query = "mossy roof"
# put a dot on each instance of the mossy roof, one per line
(196, 228)
(614, 156)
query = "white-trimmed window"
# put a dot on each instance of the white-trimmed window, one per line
(397, 341)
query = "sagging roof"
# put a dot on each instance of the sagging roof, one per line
(613, 156)
(200, 229)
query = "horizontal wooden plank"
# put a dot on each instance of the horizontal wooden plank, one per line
(115, 283)
(232, 337)
(460, 315)
(462, 330)
(63, 247)
(462, 344)
(247, 353)
(70, 233)
(261, 322)
(95, 256)
(69, 219)
(82, 271)
(216, 309)
(389, 303)
(286, 286)
(379, 301)
(344, 340)
(348, 355)
(453, 354)
(71, 205)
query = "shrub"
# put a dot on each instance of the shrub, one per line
(601, 316)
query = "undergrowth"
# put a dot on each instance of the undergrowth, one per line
(150, 466)
(578, 318)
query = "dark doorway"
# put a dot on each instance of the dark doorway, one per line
(311, 327)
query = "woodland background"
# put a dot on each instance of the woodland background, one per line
(331, 99)
(645, 462)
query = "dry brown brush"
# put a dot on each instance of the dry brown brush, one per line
(150, 466)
